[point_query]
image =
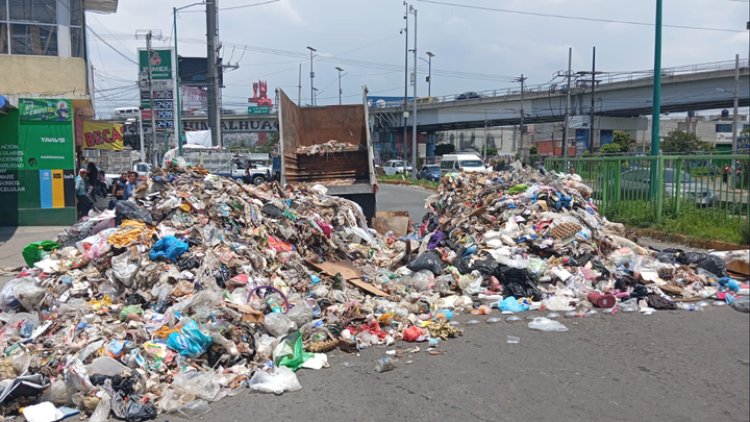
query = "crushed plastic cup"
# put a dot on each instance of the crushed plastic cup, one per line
(385, 364)
(547, 325)
(493, 320)
(512, 339)
(513, 318)
(553, 315)
(472, 322)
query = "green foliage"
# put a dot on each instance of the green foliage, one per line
(623, 139)
(612, 148)
(442, 149)
(491, 152)
(682, 142)
(533, 150)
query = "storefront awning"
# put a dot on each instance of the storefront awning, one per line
(101, 6)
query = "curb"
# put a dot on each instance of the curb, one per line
(686, 240)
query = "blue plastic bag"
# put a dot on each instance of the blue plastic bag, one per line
(168, 247)
(190, 341)
(511, 304)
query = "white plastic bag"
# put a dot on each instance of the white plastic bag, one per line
(204, 385)
(546, 324)
(124, 269)
(277, 382)
(101, 413)
(278, 324)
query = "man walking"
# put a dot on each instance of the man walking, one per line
(83, 189)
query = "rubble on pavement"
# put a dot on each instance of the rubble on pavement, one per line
(201, 285)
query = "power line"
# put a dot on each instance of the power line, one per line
(569, 17)
(125, 56)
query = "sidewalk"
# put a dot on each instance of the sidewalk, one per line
(13, 239)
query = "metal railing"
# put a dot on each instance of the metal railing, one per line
(710, 188)
(603, 79)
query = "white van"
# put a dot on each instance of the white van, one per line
(125, 112)
(461, 162)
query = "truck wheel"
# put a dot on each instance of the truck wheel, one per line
(258, 180)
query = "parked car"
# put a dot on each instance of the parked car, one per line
(469, 95)
(636, 183)
(461, 162)
(430, 172)
(392, 167)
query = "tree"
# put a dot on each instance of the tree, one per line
(442, 149)
(611, 148)
(683, 142)
(620, 143)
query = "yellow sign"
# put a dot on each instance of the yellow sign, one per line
(102, 135)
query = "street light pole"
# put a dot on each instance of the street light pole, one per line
(414, 118)
(340, 92)
(406, 75)
(430, 55)
(520, 142)
(312, 76)
(656, 101)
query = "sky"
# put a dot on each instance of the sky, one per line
(478, 45)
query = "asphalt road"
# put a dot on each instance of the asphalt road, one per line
(400, 198)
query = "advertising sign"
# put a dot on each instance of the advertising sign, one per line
(45, 110)
(103, 135)
(161, 63)
(37, 159)
(162, 84)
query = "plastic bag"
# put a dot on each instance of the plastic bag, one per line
(105, 365)
(512, 304)
(22, 292)
(124, 268)
(429, 260)
(710, 263)
(132, 408)
(194, 409)
(420, 281)
(516, 282)
(290, 352)
(190, 341)
(36, 251)
(300, 314)
(101, 413)
(168, 247)
(131, 211)
(277, 382)
(278, 324)
(546, 324)
(204, 385)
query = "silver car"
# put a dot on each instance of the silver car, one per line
(635, 183)
(392, 167)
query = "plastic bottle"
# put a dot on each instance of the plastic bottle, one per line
(689, 306)
(384, 364)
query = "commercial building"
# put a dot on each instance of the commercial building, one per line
(45, 95)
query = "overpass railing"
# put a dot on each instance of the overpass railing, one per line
(694, 192)
(603, 78)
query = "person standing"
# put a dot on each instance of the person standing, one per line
(130, 185)
(93, 175)
(725, 174)
(83, 189)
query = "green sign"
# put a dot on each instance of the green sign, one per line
(161, 63)
(258, 109)
(45, 110)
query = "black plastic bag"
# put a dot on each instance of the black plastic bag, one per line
(710, 263)
(24, 386)
(132, 409)
(657, 302)
(516, 282)
(131, 211)
(429, 260)
(272, 211)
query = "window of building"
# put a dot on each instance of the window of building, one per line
(723, 127)
(3, 38)
(35, 11)
(76, 42)
(3, 10)
(38, 40)
(76, 13)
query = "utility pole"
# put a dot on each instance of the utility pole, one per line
(406, 75)
(340, 92)
(735, 116)
(522, 129)
(214, 106)
(593, 100)
(430, 55)
(567, 110)
(484, 144)
(414, 118)
(312, 76)
(299, 87)
(151, 93)
(656, 101)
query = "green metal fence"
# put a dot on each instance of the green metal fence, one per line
(691, 189)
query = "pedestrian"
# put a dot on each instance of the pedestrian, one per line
(83, 189)
(130, 185)
(725, 174)
(93, 176)
(102, 183)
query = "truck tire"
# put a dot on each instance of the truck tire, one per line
(258, 180)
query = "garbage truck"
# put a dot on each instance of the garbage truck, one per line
(308, 140)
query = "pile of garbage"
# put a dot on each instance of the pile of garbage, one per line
(327, 148)
(199, 285)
